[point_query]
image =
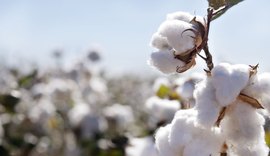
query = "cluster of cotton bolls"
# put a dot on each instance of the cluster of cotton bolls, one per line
(160, 108)
(225, 118)
(176, 39)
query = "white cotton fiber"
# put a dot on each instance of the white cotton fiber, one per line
(162, 142)
(182, 129)
(178, 36)
(208, 142)
(162, 109)
(182, 16)
(165, 62)
(242, 125)
(141, 147)
(229, 80)
(206, 104)
(159, 42)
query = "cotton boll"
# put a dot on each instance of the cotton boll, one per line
(242, 125)
(182, 16)
(122, 115)
(207, 143)
(141, 147)
(178, 35)
(162, 142)
(77, 113)
(182, 129)
(165, 62)
(228, 81)
(161, 110)
(206, 104)
(159, 42)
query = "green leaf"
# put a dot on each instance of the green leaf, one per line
(163, 91)
(28, 80)
(267, 138)
(221, 6)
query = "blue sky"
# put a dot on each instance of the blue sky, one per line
(30, 30)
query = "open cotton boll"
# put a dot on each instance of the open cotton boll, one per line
(178, 35)
(77, 113)
(182, 16)
(159, 42)
(162, 142)
(258, 149)
(229, 80)
(141, 147)
(165, 62)
(183, 127)
(242, 125)
(208, 142)
(162, 109)
(121, 114)
(206, 104)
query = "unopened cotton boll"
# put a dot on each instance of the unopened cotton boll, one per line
(165, 62)
(229, 80)
(162, 142)
(179, 35)
(206, 104)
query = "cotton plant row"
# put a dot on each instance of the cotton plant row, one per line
(225, 119)
(65, 111)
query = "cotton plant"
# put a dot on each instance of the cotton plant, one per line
(226, 118)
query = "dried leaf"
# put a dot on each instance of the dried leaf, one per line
(250, 100)
(221, 116)
(190, 64)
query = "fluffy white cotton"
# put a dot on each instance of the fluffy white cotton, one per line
(178, 36)
(159, 42)
(82, 117)
(242, 125)
(161, 81)
(77, 113)
(187, 138)
(162, 142)
(40, 112)
(206, 143)
(123, 115)
(229, 80)
(161, 109)
(165, 62)
(259, 88)
(182, 16)
(206, 103)
(182, 129)
(141, 147)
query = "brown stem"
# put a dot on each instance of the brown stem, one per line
(208, 60)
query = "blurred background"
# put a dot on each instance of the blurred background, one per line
(74, 79)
